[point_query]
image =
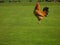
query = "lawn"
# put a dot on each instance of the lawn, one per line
(18, 25)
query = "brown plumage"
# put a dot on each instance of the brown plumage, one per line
(38, 13)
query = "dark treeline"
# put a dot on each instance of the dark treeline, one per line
(1, 1)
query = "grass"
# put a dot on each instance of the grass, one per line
(18, 25)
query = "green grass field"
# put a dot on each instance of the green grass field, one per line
(18, 25)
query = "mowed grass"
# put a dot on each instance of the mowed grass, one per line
(18, 25)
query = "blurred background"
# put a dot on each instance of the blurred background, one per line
(1, 1)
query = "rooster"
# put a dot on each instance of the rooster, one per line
(40, 14)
